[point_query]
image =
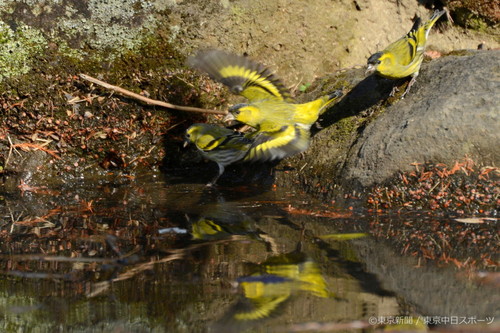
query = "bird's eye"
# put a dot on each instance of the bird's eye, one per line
(237, 112)
(188, 136)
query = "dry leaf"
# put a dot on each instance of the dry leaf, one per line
(476, 220)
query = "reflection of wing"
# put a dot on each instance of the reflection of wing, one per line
(276, 280)
(264, 293)
(207, 228)
(305, 272)
(243, 76)
(286, 141)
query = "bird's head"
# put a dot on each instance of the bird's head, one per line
(374, 61)
(193, 133)
(245, 113)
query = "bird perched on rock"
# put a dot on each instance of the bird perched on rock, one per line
(221, 145)
(282, 126)
(404, 57)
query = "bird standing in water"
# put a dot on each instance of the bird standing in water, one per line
(221, 145)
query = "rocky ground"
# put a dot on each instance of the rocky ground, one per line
(56, 127)
(369, 138)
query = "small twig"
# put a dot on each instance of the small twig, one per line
(148, 100)
(175, 254)
(10, 153)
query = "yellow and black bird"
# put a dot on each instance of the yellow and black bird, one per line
(219, 144)
(277, 144)
(404, 57)
(282, 126)
(226, 146)
(277, 280)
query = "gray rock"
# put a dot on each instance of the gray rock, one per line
(452, 111)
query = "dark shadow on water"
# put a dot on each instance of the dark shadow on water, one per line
(192, 169)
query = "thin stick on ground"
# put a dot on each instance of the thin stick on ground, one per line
(149, 100)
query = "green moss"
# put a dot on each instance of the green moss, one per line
(345, 127)
(114, 25)
(18, 49)
(468, 19)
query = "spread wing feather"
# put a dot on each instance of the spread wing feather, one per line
(286, 141)
(242, 75)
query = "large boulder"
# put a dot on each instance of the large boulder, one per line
(451, 112)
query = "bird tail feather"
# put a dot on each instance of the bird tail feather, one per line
(435, 16)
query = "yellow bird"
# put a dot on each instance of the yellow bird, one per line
(277, 144)
(270, 104)
(282, 125)
(404, 57)
(221, 145)
(225, 146)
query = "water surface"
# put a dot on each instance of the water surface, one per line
(151, 256)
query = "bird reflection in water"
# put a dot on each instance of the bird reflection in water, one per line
(270, 286)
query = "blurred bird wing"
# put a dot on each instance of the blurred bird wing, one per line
(243, 76)
(284, 142)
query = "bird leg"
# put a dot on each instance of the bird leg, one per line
(221, 171)
(411, 83)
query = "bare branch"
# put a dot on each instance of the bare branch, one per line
(149, 101)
